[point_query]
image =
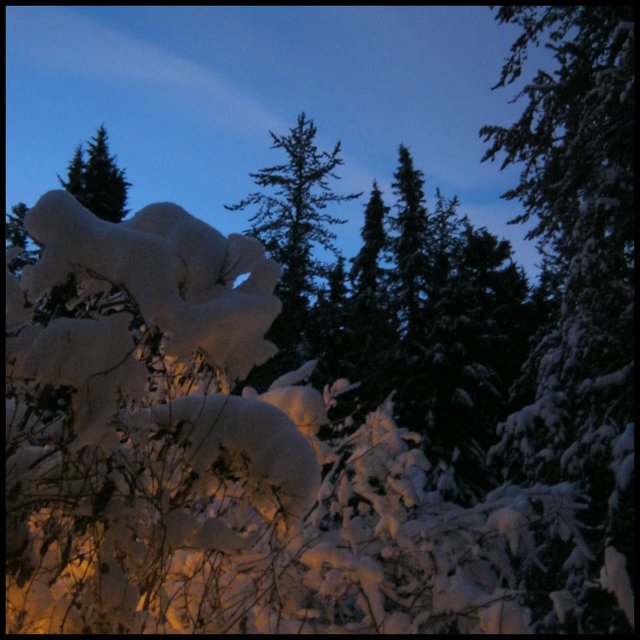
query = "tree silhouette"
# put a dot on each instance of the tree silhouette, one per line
(290, 221)
(98, 184)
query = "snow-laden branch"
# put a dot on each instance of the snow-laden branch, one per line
(172, 264)
(282, 469)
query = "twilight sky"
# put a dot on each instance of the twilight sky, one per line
(188, 95)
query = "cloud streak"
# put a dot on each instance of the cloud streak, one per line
(59, 39)
(68, 43)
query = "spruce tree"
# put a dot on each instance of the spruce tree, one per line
(291, 223)
(409, 247)
(15, 232)
(445, 243)
(366, 273)
(371, 355)
(98, 184)
(17, 240)
(75, 183)
(329, 331)
(455, 375)
(479, 337)
(575, 142)
(337, 281)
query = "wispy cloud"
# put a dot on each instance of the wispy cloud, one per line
(60, 39)
(66, 42)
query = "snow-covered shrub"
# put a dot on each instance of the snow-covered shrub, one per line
(124, 449)
(387, 556)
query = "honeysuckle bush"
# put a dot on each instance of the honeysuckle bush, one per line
(148, 491)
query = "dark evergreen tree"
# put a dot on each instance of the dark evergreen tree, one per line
(290, 222)
(542, 313)
(17, 239)
(370, 354)
(338, 291)
(75, 183)
(448, 287)
(444, 247)
(497, 291)
(433, 392)
(366, 272)
(329, 333)
(98, 184)
(575, 142)
(488, 317)
(455, 390)
(409, 246)
(15, 232)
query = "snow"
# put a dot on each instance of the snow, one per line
(460, 396)
(93, 356)
(178, 271)
(219, 520)
(504, 616)
(331, 393)
(345, 567)
(16, 312)
(186, 530)
(508, 522)
(294, 377)
(303, 404)
(280, 462)
(614, 578)
(198, 250)
(623, 450)
(563, 602)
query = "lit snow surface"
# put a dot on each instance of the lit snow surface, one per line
(173, 265)
(614, 578)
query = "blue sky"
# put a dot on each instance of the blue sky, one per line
(188, 95)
